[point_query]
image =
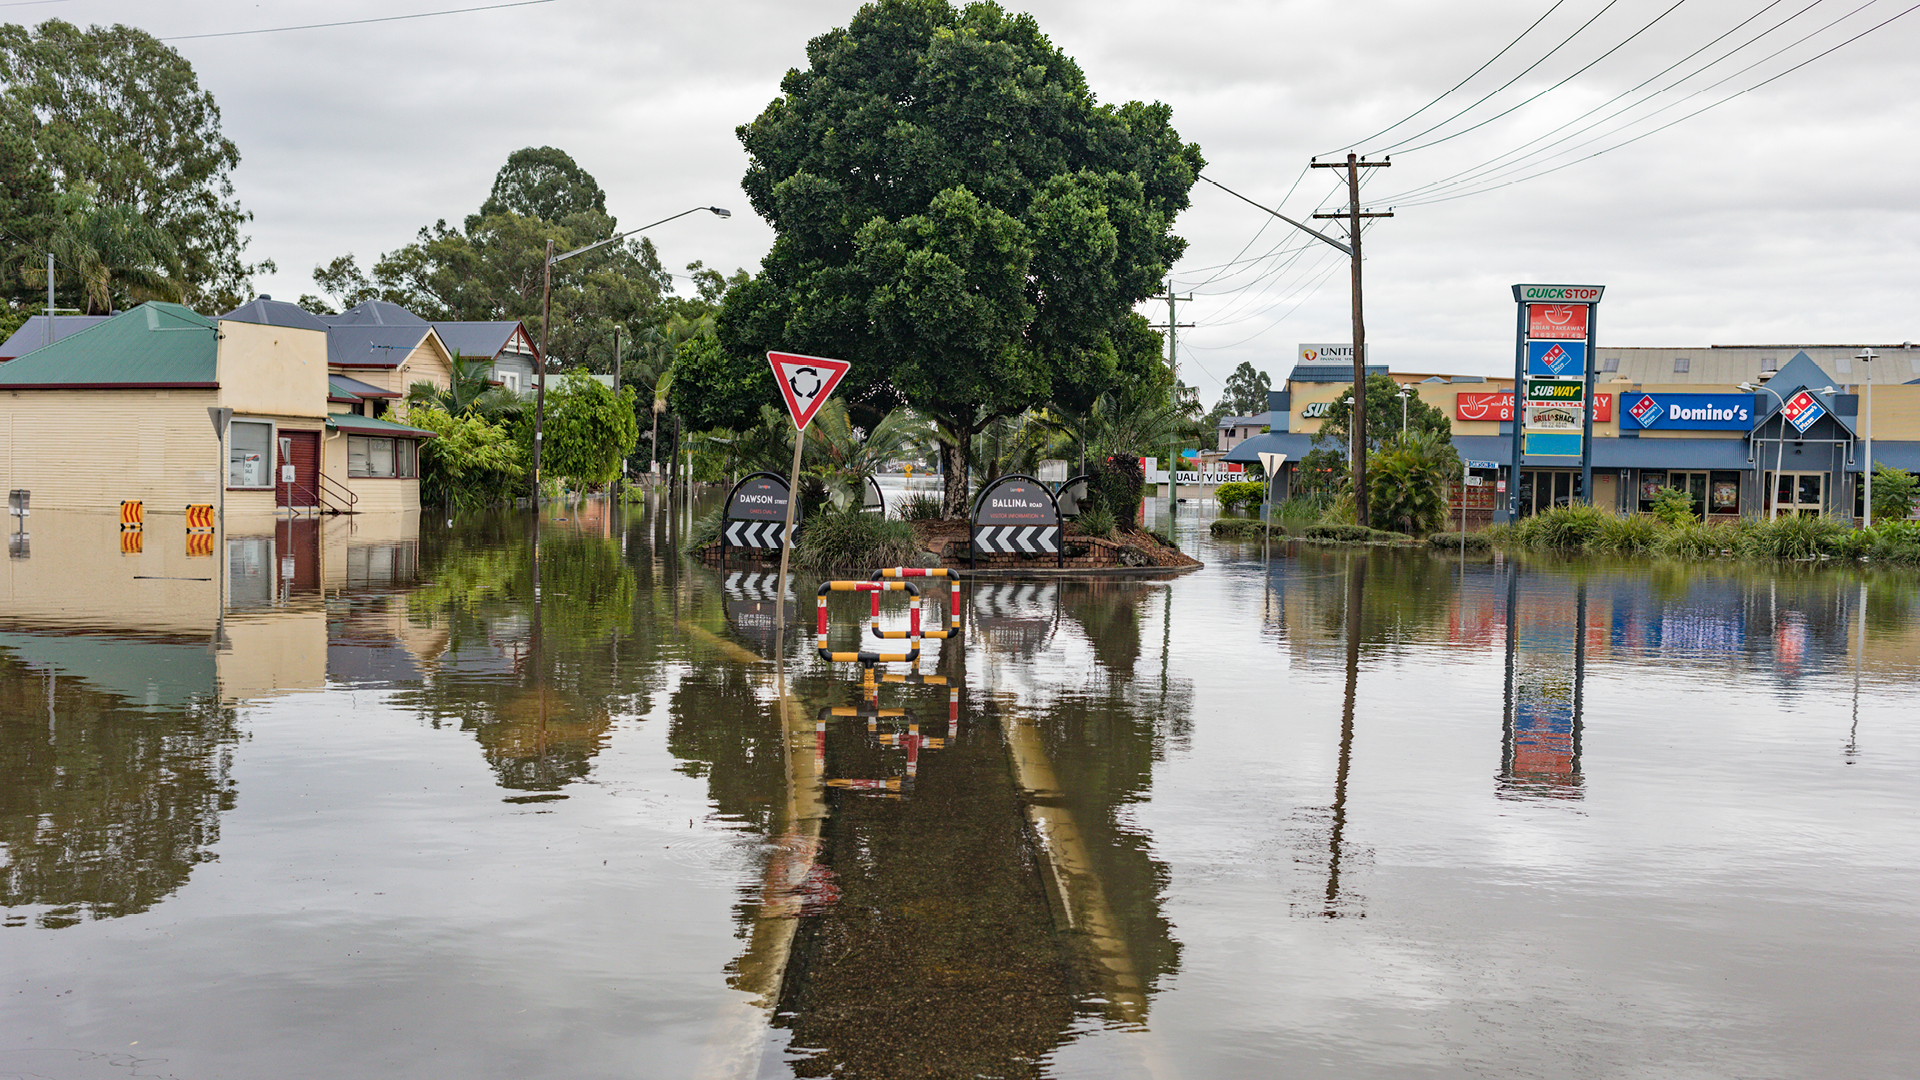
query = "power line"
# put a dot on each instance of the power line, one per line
(1689, 97)
(1449, 181)
(1456, 86)
(1502, 86)
(357, 22)
(1529, 100)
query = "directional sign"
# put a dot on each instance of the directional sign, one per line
(1017, 539)
(756, 534)
(1557, 359)
(1802, 410)
(805, 382)
(1557, 322)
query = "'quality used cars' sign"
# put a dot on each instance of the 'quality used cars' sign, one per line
(1691, 412)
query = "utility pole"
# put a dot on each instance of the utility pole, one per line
(1353, 165)
(540, 376)
(1173, 365)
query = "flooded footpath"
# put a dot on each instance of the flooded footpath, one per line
(519, 797)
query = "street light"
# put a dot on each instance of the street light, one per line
(1780, 445)
(1866, 358)
(546, 326)
(1403, 395)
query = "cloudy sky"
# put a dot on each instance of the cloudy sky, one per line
(1786, 214)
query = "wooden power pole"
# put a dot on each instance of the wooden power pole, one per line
(1353, 214)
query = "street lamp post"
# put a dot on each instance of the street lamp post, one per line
(1866, 358)
(1780, 444)
(1403, 395)
(546, 326)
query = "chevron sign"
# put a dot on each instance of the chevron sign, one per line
(1017, 539)
(755, 534)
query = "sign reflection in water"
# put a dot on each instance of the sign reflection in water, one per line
(1540, 751)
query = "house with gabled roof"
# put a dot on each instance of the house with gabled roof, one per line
(504, 347)
(119, 411)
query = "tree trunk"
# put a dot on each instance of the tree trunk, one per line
(954, 465)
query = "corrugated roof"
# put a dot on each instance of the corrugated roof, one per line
(375, 313)
(370, 426)
(476, 339)
(373, 345)
(346, 387)
(154, 345)
(266, 311)
(33, 333)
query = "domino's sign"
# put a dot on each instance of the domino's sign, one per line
(1557, 359)
(1691, 412)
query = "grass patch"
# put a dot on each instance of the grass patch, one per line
(854, 542)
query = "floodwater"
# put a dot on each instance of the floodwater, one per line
(417, 802)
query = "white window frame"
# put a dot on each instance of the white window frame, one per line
(272, 459)
(413, 458)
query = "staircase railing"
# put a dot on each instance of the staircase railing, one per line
(335, 497)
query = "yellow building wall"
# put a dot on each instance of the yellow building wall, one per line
(1896, 412)
(378, 495)
(75, 576)
(91, 449)
(273, 652)
(272, 370)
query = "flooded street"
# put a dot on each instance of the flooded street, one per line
(418, 802)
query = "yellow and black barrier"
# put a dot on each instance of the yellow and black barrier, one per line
(864, 657)
(133, 541)
(898, 573)
(199, 516)
(132, 514)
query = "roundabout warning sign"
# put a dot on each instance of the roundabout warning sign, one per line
(805, 383)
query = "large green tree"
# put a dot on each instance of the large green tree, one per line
(1246, 391)
(115, 110)
(958, 216)
(1384, 413)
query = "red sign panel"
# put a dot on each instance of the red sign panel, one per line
(1500, 407)
(805, 382)
(1561, 322)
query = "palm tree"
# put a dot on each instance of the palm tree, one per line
(114, 251)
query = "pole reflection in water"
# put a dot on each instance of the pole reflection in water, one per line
(1356, 606)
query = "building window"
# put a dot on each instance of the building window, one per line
(1682, 365)
(511, 381)
(249, 462)
(1611, 363)
(380, 457)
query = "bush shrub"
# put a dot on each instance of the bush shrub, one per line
(1792, 538)
(1673, 506)
(1445, 542)
(854, 541)
(1565, 528)
(1116, 485)
(1240, 494)
(1694, 541)
(1165, 540)
(1302, 508)
(1635, 535)
(922, 506)
(1342, 533)
(1096, 520)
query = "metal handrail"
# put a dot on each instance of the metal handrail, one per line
(327, 484)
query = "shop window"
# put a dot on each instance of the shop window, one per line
(372, 456)
(249, 462)
(1723, 493)
(1682, 365)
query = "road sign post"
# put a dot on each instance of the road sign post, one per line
(805, 384)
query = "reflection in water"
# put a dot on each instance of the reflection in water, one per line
(1540, 753)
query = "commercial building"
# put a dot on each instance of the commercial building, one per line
(1662, 417)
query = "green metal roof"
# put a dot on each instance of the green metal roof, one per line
(153, 345)
(370, 426)
(343, 388)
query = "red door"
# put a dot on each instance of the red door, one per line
(301, 450)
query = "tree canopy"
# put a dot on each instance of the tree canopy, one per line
(116, 113)
(542, 182)
(1383, 416)
(957, 215)
(1246, 391)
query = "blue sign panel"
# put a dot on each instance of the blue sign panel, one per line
(1552, 444)
(1557, 359)
(1690, 412)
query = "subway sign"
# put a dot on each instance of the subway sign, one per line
(1557, 391)
(1691, 412)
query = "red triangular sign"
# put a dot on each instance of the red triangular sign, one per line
(805, 382)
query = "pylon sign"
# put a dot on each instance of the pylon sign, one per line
(1552, 367)
(805, 383)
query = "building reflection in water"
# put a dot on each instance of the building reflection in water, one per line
(1546, 671)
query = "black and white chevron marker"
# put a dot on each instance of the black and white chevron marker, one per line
(754, 585)
(755, 534)
(1017, 539)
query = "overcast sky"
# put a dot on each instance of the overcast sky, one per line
(1786, 215)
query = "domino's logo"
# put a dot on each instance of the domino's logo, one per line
(1645, 411)
(1556, 359)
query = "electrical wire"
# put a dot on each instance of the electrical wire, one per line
(1460, 177)
(1456, 86)
(357, 22)
(1689, 97)
(1523, 103)
(1523, 74)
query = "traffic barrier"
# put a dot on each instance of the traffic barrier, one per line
(895, 573)
(132, 540)
(199, 545)
(911, 741)
(953, 694)
(864, 657)
(199, 516)
(132, 514)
